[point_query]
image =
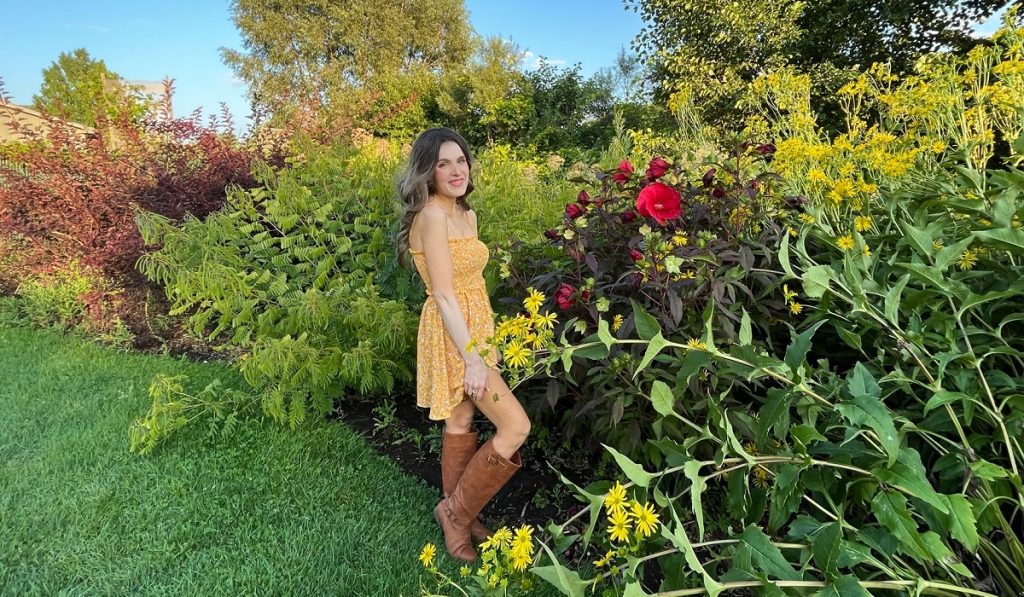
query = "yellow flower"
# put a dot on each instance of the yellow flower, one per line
(619, 529)
(520, 560)
(500, 537)
(545, 321)
(937, 245)
(464, 571)
(795, 308)
(688, 275)
(938, 147)
(523, 539)
(645, 519)
(427, 555)
(696, 344)
(605, 560)
(679, 239)
(517, 355)
(862, 223)
(969, 259)
(845, 242)
(867, 251)
(806, 218)
(616, 323)
(533, 301)
(761, 477)
(816, 176)
(615, 499)
(787, 293)
(868, 187)
(792, 231)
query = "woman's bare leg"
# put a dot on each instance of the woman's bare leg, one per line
(503, 409)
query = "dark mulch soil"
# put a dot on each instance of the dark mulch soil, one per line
(534, 495)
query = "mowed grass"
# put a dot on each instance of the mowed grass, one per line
(264, 511)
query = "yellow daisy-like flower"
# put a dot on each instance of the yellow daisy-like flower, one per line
(520, 560)
(464, 571)
(937, 245)
(517, 355)
(619, 528)
(867, 251)
(533, 301)
(427, 555)
(787, 293)
(795, 308)
(502, 536)
(696, 344)
(868, 187)
(761, 477)
(616, 323)
(615, 499)
(792, 231)
(605, 560)
(845, 242)
(679, 239)
(938, 147)
(524, 538)
(546, 320)
(969, 259)
(644, 518)
(862, 223)
(806, 218)
(816, 176)
(688, 275)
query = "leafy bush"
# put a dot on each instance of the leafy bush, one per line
(881, 448)
(68, 198)
(713, 249)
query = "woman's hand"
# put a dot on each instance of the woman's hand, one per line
(474, 384)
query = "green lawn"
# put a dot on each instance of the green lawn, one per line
(267, 511)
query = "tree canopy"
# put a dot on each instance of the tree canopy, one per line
(80, 89)
(347, 58)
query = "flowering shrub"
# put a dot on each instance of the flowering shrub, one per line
(503, 568)
(669, 241)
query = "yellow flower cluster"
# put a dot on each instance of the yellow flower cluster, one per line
(625, 516)
(506, 551)
(519, 338)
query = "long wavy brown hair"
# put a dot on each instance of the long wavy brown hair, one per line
(416, 184)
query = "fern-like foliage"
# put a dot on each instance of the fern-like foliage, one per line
(290, 274)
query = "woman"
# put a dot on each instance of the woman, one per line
(439, 230)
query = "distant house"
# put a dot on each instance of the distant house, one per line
(21, 123)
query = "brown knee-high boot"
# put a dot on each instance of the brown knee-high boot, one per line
(457, 450)
(485, 474)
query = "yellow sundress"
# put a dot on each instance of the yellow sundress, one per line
(439, 366)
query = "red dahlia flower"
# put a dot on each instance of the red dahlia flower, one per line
(573, 211)
(659, 201)
(583, 198)
(657, 168)
(625, 171)
(565, 296)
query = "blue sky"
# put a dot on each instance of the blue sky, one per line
(151, 40)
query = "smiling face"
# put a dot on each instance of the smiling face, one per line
(451, 172)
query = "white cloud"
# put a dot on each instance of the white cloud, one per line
(232, 79)
(533, 61)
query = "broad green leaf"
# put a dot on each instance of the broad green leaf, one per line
(929, 274)
(633, 471)
(805, 434)
(681, 542)
(734, 442)
(775, 413)
(646, 325)
(565, 580)
(941, 552)
(799, 345)
(604, 334)
(697, 485)
(961, 521)
(634, 589)
(662, 398)
(892, 300)
(656, 345)
(846, 586)
(784, 258)
(1007, 239)
(862, 383)
(766, 556)
(952, 253)
(825, 548)
(908, 474)
(786, 494)
(746, 336)
(816, 280)
(890, 507)
(973, 300)
(849, 337)
(988, 471)
(944, 397)
(920, 239)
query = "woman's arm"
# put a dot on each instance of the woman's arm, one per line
(438, 257)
